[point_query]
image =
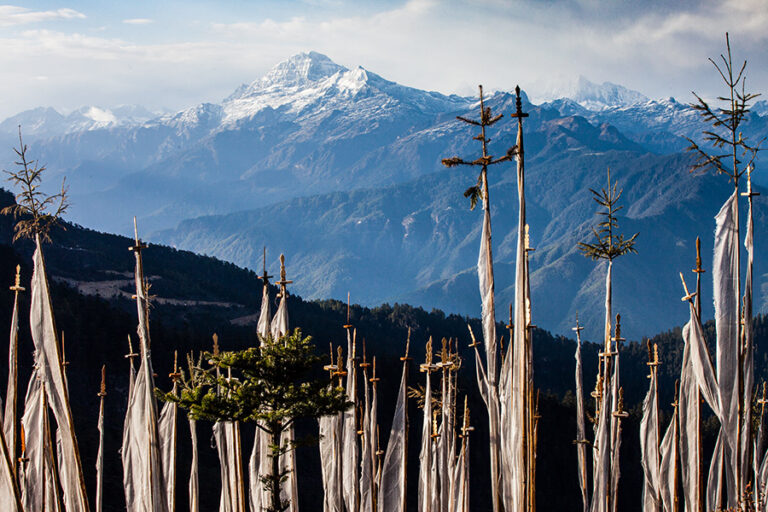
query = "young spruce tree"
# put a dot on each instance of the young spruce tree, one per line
(271, 386)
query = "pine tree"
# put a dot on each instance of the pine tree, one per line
(608, 244)
(728, 143)
(271, 386)
(39, 211)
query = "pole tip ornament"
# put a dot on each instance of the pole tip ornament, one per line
(17, 281)
(518, 104)
(103, 387)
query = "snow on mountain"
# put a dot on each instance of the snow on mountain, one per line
(588, 94)
(760, 108)
(312, 81)
(47, 121)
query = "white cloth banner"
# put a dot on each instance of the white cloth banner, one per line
(100, 459)
(43, 331)
(167, 431)
(392, 489)
(263, 326)
(426, 486)
(581, 438)
(689, 433)
(668, 459)
(34, 482)
(329, 462)
(194, 484)
(349, 456)
(748, 369)
(726, 279)
(9, 418)
(649, 448)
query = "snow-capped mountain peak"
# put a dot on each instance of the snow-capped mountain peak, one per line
(588, 94)
(605, 95)
(299, 70)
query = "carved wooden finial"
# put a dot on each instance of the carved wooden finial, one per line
(676, 401)
(444, 351)
(435, 412)
(283, 281)
(578, 327)
(518, 104)
(17, 282)
(264, 276)
(348, 325)
(617, 332)
(620, 412)
(428, 366)
(138, 245)
(103, 387)
(64, 362)
(340, 371)
(339, 359)
(176, 374)
(528, 247)
(749, 193)
(407, 347)
(365, 364)
(474, 343)
(23, 440)
(130, 355)
(215, 344)
(698, 269)
(330, 367)
(466, 429)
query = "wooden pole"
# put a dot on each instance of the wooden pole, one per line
(377, 450)
(700, 453)
(99, 459)
(676, 465)
(405, 361)
(13, 373)
(143, 311)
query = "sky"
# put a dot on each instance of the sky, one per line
(175, 54)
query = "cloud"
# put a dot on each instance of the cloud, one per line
(450, 46)
(138, 21)
(11, 15)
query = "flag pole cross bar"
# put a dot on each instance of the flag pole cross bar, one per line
(688, 295)
(138, 244)
(749, 193)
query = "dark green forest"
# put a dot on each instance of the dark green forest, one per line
(211, 296)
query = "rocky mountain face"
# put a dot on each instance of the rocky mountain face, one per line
(340, 169)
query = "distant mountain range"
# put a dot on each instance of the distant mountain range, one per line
(340, 169)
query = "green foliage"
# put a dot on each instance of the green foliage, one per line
(36, 207)
(607, 244)
(726, 140)
(272, 386)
